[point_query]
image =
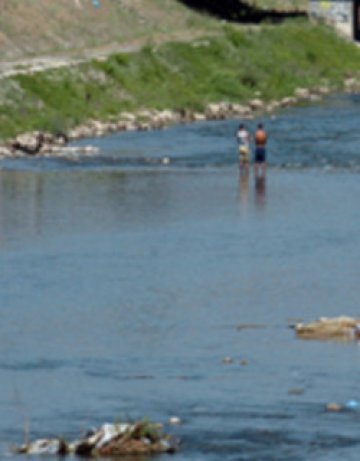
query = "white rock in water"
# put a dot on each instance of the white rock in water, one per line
(44, 446)
(174, 420)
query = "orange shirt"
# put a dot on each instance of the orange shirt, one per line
(260, 138)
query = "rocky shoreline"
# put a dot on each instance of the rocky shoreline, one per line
(44, 144)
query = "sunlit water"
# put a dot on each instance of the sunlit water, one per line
(126, 279)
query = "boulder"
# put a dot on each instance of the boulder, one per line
(198, 117)
(288, 101)
(256, 104)
(302, 93)
(338, 328)
(5, 152)
(241, 110)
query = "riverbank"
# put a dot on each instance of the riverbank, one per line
(248, 70)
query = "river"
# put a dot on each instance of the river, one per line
(126, 278)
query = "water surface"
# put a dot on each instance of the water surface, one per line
(125, 281)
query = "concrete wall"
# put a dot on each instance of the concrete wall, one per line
(337, 12)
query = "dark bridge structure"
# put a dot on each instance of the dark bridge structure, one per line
(241, 11)
(344, 13)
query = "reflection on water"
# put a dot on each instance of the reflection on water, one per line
(258, 194)
(260, 190)
(244, 180)
(32, 204)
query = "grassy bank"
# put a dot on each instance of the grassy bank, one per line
(235, 66)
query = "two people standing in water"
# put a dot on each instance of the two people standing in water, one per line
(244, 139)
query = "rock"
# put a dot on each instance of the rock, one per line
(239, 109)
(141, 438)
(323, 90)
(174, 420)
(5, 152)
(218, 111)
(288, 101)
(351, 83)
(302, 93)
(145, 114)
(256, 104)
(314, 98)
(212, 111)
(127, 116)
(228, 360)
(199, 117)
(340, 328)
(28, 143)
(272, 106)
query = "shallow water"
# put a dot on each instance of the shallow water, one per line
(124, 282)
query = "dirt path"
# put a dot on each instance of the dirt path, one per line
(43, 63)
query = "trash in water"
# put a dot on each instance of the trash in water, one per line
(337, 328)
(250, 326)
(296, 391)
(109, 440)
(334, 407)
(44, 447)
(350, 405)
(174, 420)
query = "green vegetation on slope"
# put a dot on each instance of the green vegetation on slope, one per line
(233, 66)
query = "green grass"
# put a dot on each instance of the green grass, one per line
(234, 66)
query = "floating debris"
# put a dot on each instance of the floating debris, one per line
(109, 440)
(228, 360)
(174, 420)
(296, 391)
(338, 328)
(44, 447)
(334, 407)
(250, 326)
(350, 405)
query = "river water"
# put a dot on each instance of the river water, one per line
(126, 279)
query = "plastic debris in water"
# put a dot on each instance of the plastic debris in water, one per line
(174, 420)
(334, 407)
(44, 447)
(352, 405)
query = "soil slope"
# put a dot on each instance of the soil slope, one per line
(47, 27)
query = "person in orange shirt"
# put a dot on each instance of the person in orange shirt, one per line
(260, 151)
